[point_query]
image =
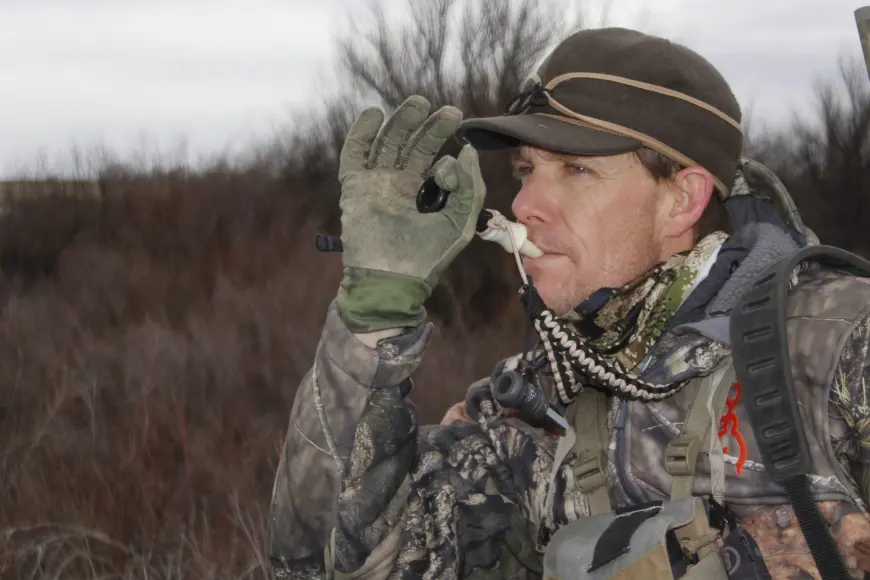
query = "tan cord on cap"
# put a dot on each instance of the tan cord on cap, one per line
(647, 87)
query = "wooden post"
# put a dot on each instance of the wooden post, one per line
(862, 18)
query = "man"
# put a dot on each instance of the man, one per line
(628, 149)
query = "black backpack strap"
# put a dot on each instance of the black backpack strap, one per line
(761, 361)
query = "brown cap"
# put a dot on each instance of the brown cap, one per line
(613, 90)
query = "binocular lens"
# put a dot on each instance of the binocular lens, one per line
(512, 390)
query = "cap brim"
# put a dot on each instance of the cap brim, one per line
(494, 133)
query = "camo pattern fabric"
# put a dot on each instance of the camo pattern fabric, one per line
(386, 498)
(477, 495)
(483, 498)
(495, 477)
(776, 528)
(321, 434)
(635, 316)
(850, 400)
(472, 504)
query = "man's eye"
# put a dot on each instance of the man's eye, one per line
(577, 169)
(520, 172)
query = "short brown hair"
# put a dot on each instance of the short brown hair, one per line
(715, 217)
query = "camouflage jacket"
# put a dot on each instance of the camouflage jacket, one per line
(363, 491)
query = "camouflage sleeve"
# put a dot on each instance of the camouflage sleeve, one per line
(321, 433)
(374, 491)
(850, 411)
(446, 501)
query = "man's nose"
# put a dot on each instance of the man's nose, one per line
(531, 205)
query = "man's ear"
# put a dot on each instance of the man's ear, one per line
(690, 193)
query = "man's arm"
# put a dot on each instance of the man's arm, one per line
(393, 255)
(321, 433)
(473, 497)
(453, 498)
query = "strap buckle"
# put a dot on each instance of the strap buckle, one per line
(589, 473)
(681, 455)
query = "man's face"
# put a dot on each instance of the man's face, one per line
(597, 219)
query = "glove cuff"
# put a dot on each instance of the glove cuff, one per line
(370, 300)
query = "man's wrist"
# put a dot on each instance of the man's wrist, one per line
(375, 300)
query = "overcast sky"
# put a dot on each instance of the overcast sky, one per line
(215, 74)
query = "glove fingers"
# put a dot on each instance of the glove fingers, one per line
(397, 129)
(358, 144)
(426, 141)
(467, 201)
(444, 173)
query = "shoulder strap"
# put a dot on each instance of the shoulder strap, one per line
(698, 434)
(590, 427)
(761, 360)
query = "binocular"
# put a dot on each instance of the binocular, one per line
(513, 390)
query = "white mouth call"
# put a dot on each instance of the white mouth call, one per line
(500, 230)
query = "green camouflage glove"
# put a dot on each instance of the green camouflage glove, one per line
(393, 255)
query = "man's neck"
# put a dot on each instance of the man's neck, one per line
(677, 245)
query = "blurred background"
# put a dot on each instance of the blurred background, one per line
(165, 167)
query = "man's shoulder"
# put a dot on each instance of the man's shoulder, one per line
(828, 316)
(829, 293)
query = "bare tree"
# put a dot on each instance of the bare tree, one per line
(469, 54)
(825, 161)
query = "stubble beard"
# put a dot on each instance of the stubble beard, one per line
(622, 265)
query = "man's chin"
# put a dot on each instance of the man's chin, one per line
(559, 305)
(552, 268)
(552, 290)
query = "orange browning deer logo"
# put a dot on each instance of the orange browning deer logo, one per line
(730, 420)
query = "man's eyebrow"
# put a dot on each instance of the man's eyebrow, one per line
(590, 161)
(516, 156)
(519, 156)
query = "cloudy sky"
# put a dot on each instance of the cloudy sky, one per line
(212, 75)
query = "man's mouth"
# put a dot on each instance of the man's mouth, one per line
(546, 250)
(543, 257)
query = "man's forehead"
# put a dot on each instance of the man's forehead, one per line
(528, 152)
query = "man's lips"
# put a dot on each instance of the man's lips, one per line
(546, 250)
(544, 256)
